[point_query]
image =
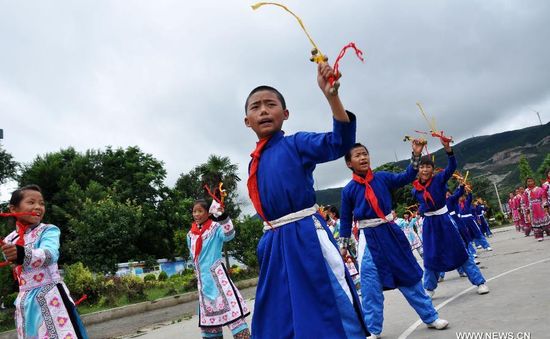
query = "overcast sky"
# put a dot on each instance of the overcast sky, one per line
(171, 76)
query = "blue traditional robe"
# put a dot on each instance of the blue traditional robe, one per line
(480, 210)
(295, 297)
(390, 249)
(468, 217)
(443, 247)
(452, 205)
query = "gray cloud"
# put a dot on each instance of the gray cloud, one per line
(171, 76)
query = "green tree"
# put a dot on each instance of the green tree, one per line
(402, 196)
(248, 232)
(107, 233)
(544, 167)
(525, 170)
(216, 169)
(69, 179)
(8, 167)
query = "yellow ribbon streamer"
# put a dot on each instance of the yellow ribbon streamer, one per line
(431, 124)
(317, 56)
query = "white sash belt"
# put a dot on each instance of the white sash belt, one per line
(374, 222)
(292, 217)
(440, 211)
(452, 213)
(466, 215)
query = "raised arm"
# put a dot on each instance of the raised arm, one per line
(408, 176)
(324, 72)
(451, 164)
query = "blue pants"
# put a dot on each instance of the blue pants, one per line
(373, 297)
(482, 241)
(459, 270)
(471, 249)
(469, 267)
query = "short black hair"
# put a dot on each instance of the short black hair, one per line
(334, 209)
(347, 157)
(202, 202)
(18, 195)
(265, 88)
(426, 160)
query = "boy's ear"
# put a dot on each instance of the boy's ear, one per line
(286, 113)
(348, 163)
(246, 122)
(11, 208)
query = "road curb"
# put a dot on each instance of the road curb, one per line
(129, 310)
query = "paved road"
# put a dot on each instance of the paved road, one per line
(518, 306)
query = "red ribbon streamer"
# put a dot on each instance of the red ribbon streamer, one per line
(358, 52)
(84, 297)
(17, 214)
(218, 200)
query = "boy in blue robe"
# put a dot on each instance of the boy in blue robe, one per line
(444, 250)
(481, 210)
(467, 212)
(385, 257)
(304, 289)
(454, 212)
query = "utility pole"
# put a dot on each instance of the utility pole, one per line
(498, 198)
(538, 115)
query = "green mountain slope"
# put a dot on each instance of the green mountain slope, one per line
(494, 157)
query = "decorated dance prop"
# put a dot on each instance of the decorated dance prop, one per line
(463, 179)
(422, 141)
(218, 195)
(316, 55)
(433, 129)
(218, 198)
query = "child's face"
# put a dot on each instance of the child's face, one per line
(425, 172)
(359, 160)
(530, 183)
(265, 114)
(200, 215)
(32, 202)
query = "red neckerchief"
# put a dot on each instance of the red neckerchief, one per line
(199, 232)
(369, 192)
(419, 187)
(21, 230)
(252, 183)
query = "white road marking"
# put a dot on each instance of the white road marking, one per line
(413, 327)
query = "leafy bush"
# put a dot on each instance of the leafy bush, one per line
(149, 277)
(80, 281)
(163, 276)
(134, 286)
(499, 217)
(9, 300)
